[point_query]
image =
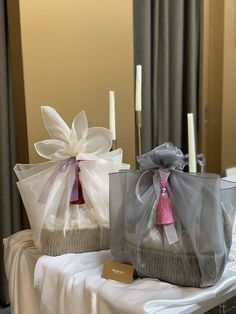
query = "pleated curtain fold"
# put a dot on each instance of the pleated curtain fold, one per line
(166, 44)
(10, 208)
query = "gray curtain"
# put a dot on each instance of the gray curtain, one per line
(166, 42)
(10, 210)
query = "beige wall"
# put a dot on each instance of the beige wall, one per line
(217, 82)
(229, 87)
(73, 53)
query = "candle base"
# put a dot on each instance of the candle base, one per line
(114, 145)
(138, 118)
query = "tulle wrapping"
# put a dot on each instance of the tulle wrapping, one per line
(203, 210)
(48, 189)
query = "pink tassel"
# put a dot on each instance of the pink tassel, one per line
(77, 196)
(164, 210)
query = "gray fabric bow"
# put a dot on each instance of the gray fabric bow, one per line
(164, 156)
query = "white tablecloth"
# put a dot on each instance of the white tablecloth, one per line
(72, 283)
(21, 256)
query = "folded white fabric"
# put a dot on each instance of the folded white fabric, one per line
(20, 256)
(72, 283)
(68, 283)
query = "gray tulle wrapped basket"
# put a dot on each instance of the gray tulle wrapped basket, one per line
(178, 268)
(191, 251)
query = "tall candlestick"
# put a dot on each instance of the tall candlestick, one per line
(112, 114)
(139, 126)
(138, 93)
(191, 144)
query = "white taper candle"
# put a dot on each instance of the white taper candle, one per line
(191, 144)
(138, 92)
(112, 114)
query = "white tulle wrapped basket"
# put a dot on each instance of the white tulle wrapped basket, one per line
(67, 198)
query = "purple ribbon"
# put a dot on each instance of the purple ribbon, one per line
(76, 193)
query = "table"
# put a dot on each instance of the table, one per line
(72, 283)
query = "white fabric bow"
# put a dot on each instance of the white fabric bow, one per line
(80, 141)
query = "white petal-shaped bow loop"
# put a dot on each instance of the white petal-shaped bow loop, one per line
(79, 141)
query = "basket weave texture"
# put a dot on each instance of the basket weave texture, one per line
(54, 242)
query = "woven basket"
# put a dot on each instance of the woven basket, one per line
(178, 268)
(54, 242)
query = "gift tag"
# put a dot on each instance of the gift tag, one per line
(118, 271)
